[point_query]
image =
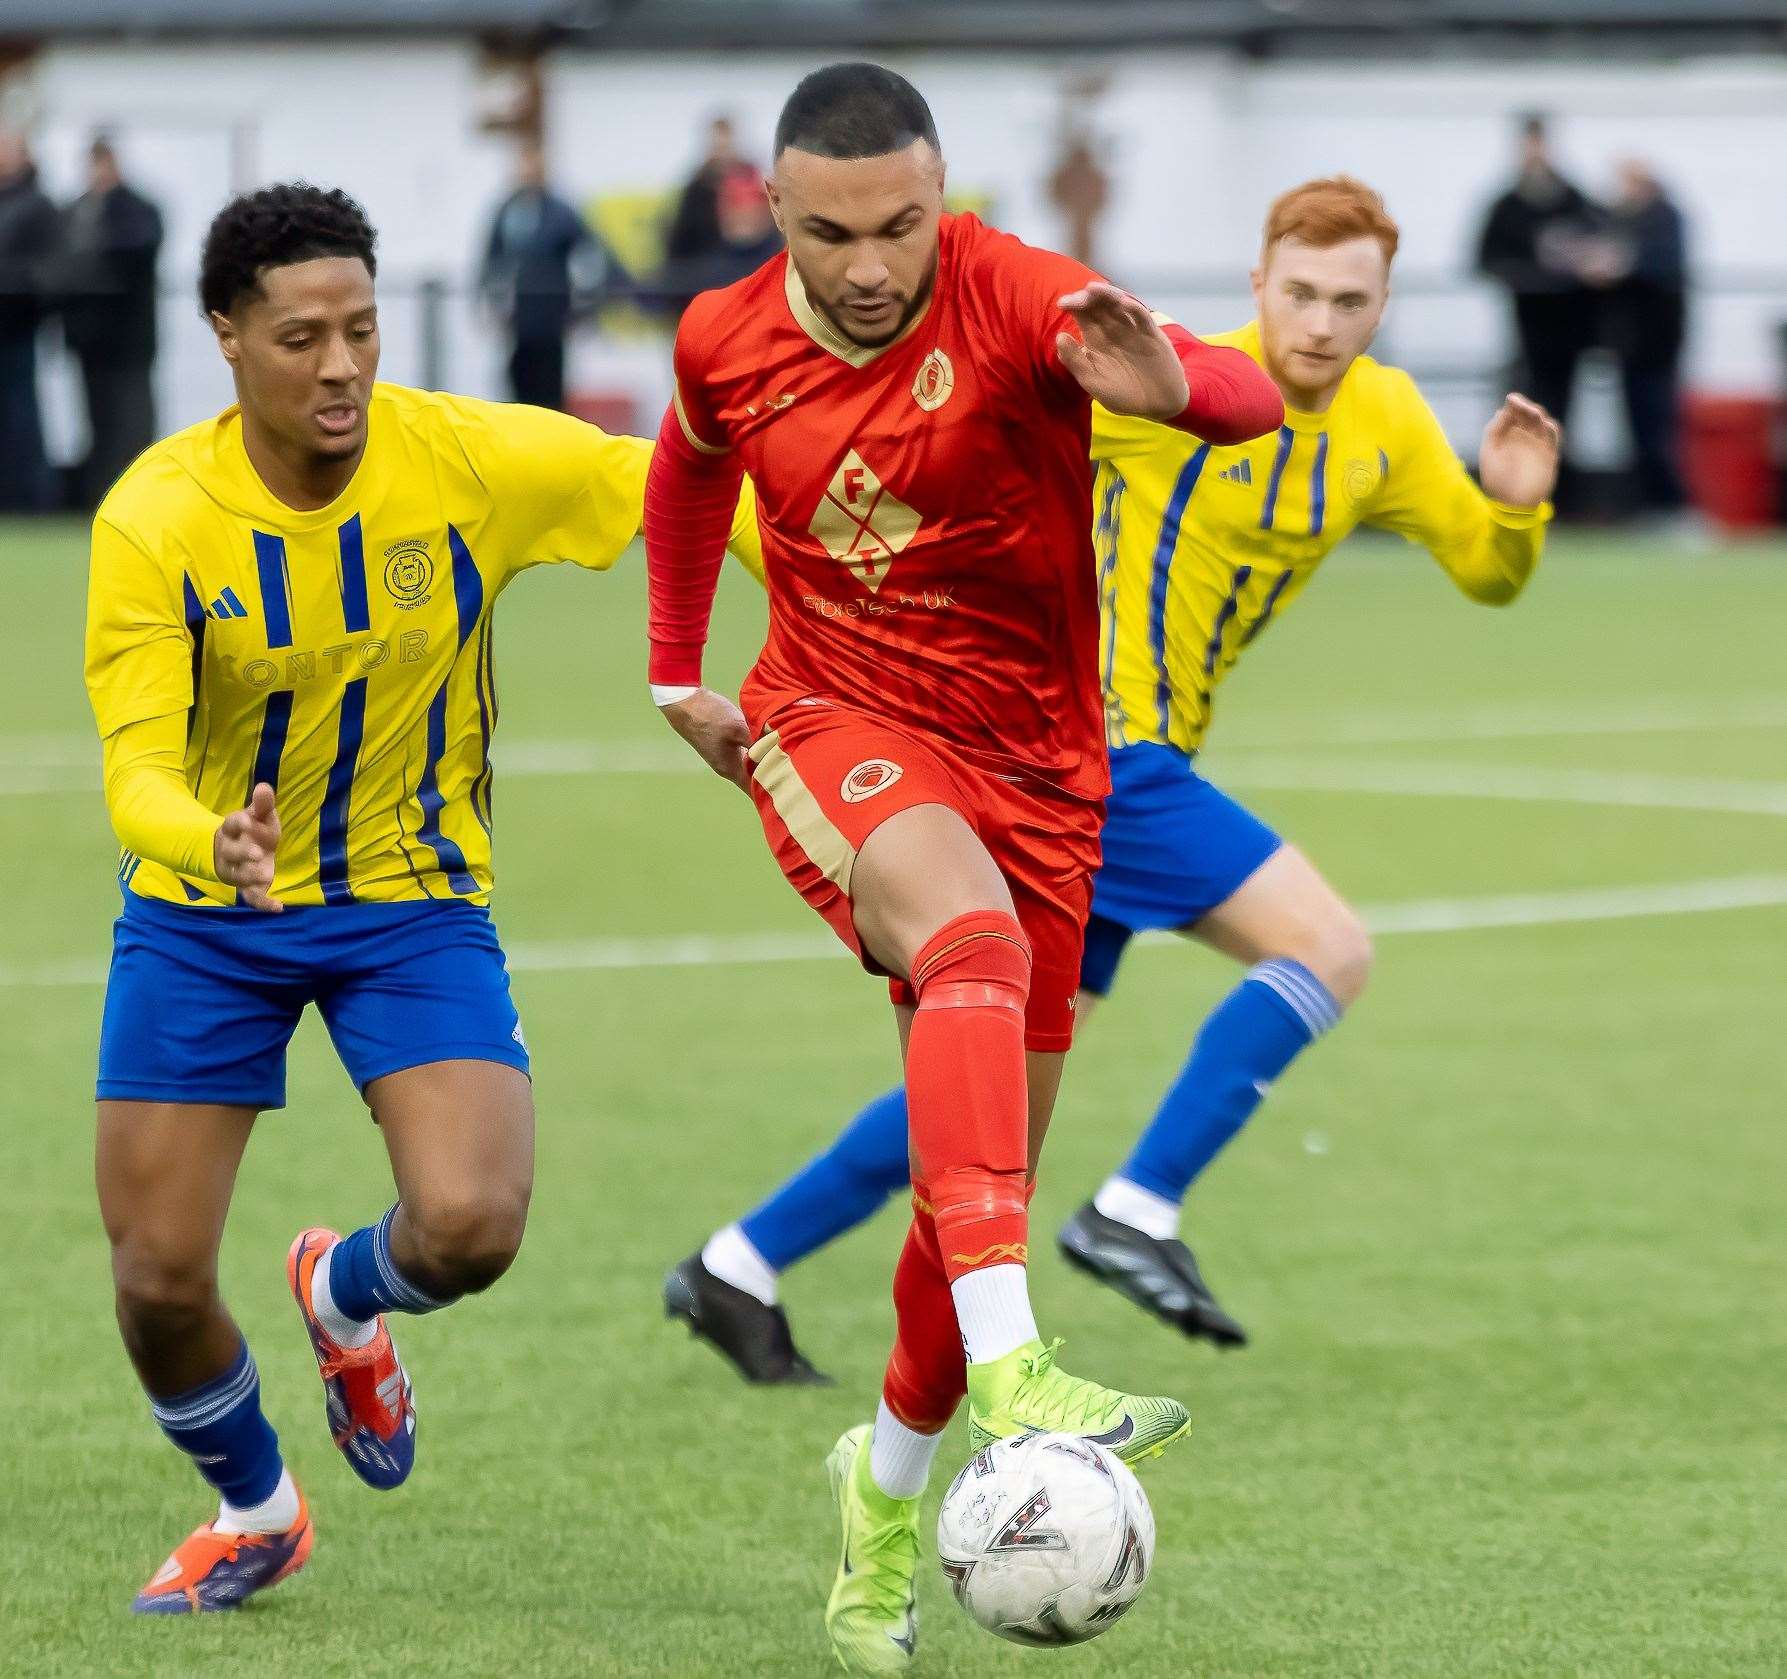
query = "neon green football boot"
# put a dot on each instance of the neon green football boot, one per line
(1023, 1393)
(870, 1615)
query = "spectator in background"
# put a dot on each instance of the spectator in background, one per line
(1081, 190)
(542, 268)
(1645, 312)
(1534, 242)
(111, 239)
(722, 229)
(28, 239)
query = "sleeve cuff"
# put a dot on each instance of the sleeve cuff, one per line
(674, 667)
(1519, 518)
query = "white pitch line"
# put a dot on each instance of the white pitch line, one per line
(68, 763)
(1516, 721)
(736, 950)
(1721, 795)
(588, 757)
(1270, 771)
(36, 779)
(1551, 909)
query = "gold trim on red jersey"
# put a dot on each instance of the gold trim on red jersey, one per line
(802, 814)
(827, 336)
(682, 419)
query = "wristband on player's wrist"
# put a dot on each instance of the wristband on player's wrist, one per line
(671, 693)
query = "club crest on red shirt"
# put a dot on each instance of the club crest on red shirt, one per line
(872, 776)
(936, 379)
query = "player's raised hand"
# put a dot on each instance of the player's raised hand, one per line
(1521, 448)
(716, 728)
(245, 849)
(1122, 358)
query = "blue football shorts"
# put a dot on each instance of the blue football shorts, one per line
(1174, 848)
(201, 1003)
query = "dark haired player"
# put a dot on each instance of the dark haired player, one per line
(923, 734)
(289, 657)
(1200, 551)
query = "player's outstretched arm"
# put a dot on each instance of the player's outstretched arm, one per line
(1522, 446)
(1122, 358)
(1134, 365)
(691, 495)
(1487, 535)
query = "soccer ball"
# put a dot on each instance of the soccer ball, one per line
(1046, 1538)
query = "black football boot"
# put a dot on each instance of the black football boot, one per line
(1159, 1276)
(754, 1337)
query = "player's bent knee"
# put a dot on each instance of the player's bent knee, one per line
(1343, 955)
(466, 1242)
(162, 1297)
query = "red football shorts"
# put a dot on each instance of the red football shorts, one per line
(825, 778)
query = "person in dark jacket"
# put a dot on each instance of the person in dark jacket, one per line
(1533, 242)
(28, 240)
(111, 241)
(722, 229)
(542, 267)
(1645, 312)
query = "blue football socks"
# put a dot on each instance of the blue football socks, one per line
(835, 1190)
(219, 1425)
(364, 1279)
(1249, 1039)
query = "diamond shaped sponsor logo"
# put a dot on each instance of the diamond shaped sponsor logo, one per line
(861, 523)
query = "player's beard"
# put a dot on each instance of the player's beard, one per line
(915, 306)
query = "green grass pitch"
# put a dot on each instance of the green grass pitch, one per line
(1510, 1243)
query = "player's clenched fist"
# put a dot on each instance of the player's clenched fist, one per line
(1519, 458)
(245, 848)
(716, 728)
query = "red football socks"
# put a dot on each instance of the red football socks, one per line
(966, 1091)
(927, 1374)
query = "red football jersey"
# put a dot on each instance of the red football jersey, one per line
(925, 508)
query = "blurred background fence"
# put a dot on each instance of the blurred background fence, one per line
(1151, 135)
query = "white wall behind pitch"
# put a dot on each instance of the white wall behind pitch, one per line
(1196, 145)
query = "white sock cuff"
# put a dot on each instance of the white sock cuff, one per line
(345, 1331)
(1141, 1209)
(274, 1514)
(1305, 995)
(731, 1258)
(993, 1311)
(900, 1458)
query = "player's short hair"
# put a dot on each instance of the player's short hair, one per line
(854, 110)
(278, 225)
(1328, 212)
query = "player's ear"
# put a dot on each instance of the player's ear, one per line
(227, 342)
(1256, 280)
(775, 204)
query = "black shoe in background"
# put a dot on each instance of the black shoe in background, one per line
(1159, 1276)
(754, 1337)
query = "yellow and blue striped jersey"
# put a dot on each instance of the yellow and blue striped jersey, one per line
(344, 655)
(1199, 547)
